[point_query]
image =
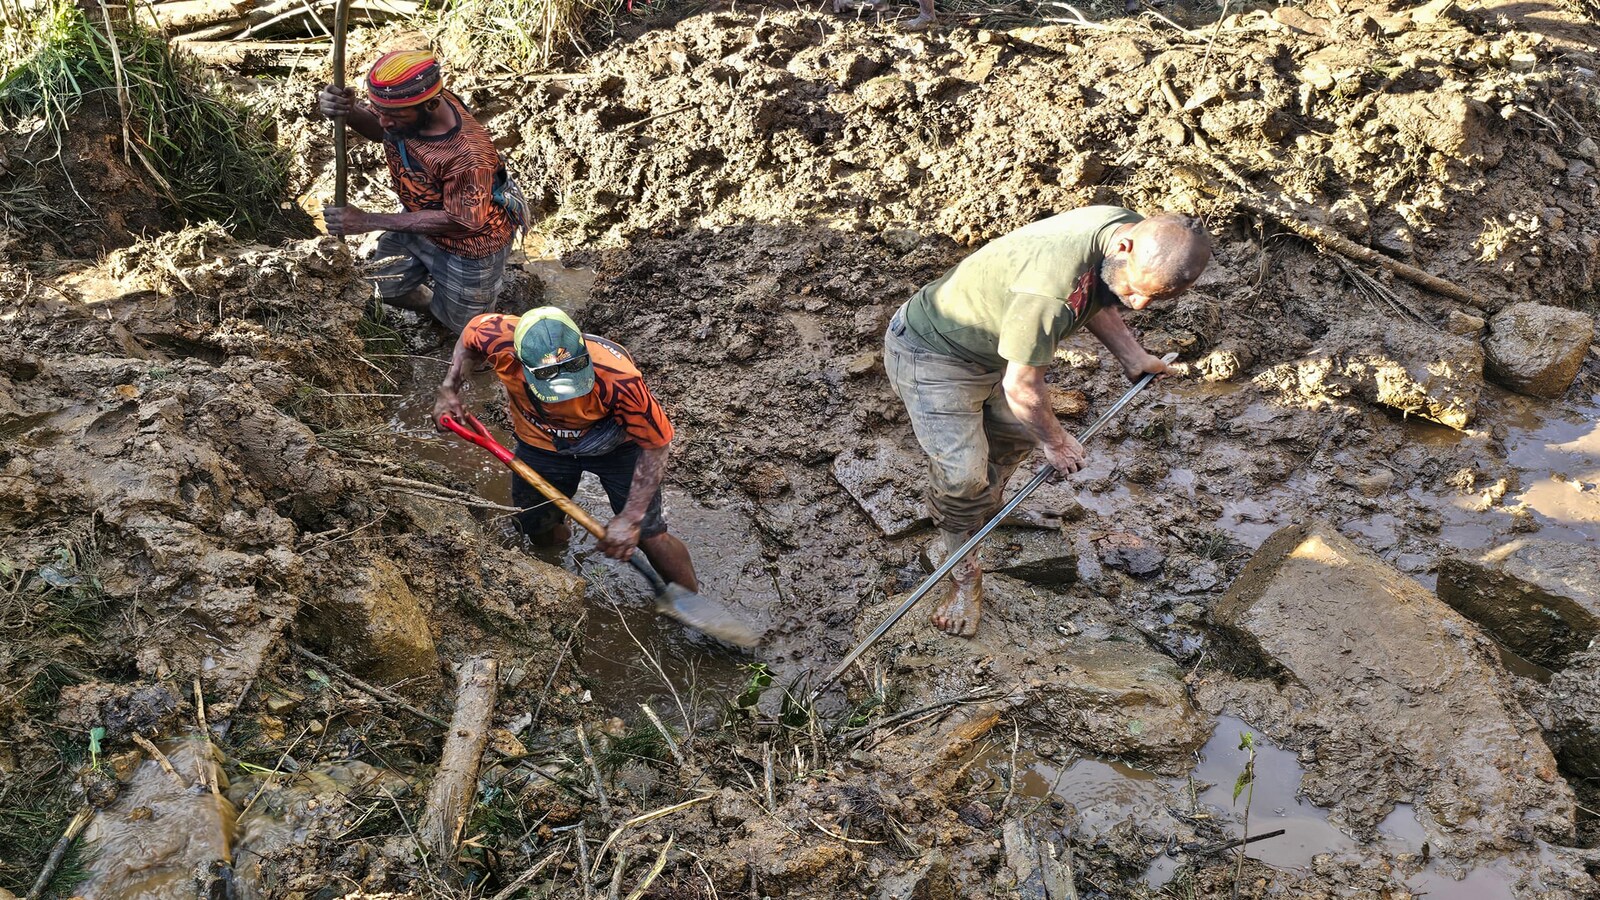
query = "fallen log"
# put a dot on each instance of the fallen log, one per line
(256, 56)
(185, 15)
(456, 781)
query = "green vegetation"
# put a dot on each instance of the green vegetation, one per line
(516, 36)
(209, 157)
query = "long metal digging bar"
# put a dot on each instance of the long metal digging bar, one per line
(972, 543)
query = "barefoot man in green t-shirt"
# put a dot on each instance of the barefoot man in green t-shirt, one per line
(968, 354)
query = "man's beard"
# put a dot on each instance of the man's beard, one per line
(415, 129)
(1114, 272)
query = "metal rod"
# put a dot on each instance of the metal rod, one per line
(953, 559)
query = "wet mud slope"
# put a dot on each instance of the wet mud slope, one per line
(1359, 532)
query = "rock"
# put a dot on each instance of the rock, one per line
(376, 627)
(1401, 678)
(1038, 870)
(1121, 699)
(1540, 598)
(1575, 714)
(1299, 21)
(1082, 170)
(884, 478)
(1536, 349)
(1397, 242)
(927, 879)
(863, 363)
(1446, 121)
(1433, 12)
(1410, 368)
(1042, 556)
(1068, 401)
(903, 240)
(1131, 553)
(765, 479)
(1464, 324)
(1588, 149)
(282, 704)
(1224, 363)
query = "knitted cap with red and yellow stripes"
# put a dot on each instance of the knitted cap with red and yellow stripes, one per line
(402, 78)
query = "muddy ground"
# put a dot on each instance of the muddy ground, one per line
(215, 454)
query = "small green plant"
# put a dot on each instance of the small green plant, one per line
(96, 735)
(760, 680)
(1245, 784)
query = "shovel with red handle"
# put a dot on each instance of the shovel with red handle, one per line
(672, 600)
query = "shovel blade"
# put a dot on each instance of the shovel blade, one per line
(706, 616)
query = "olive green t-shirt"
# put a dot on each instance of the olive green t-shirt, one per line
(1018, 296)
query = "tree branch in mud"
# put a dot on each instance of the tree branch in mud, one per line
(456, 781)
(374, 690)
(59, 851)
(1248, 199)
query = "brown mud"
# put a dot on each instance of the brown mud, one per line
(214, 453)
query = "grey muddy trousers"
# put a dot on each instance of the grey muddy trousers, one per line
(960, 415)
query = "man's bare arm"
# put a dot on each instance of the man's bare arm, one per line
(647, 475)
(450, 389)
(1109, 328)
(1029, 399)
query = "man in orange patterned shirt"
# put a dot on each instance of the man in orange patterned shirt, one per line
(578, 404)
(461, 207)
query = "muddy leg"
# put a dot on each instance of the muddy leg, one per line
(671, 559)
(557, 536)
(963, 605)
(926, 17)
(418, 299)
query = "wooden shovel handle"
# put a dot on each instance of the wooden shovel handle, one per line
(341, 170)
(562, 501)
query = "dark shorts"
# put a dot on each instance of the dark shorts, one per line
(614, 469)
(462, 287)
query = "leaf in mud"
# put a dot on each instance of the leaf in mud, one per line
(1135, 727)
(96, 735)
(760, 680)
(1243, 782)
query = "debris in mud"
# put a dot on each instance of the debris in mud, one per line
(1403, 366)
(1536, 349)
(1400, 695)
(1541, 598)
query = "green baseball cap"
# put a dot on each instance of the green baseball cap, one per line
(546, 338)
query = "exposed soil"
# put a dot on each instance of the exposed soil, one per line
(215, 453)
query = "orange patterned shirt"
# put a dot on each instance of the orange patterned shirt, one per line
(455, 172)
(619, 390)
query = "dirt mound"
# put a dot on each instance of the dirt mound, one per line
(1390, 135)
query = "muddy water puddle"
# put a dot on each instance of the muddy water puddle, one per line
(170, 835)
(1100, 794)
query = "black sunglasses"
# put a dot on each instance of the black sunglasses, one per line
(575, 364)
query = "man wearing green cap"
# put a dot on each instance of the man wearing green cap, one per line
(578, 404)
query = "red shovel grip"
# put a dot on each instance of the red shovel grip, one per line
(477, 434)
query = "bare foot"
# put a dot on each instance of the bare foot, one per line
(920, 23)
(961, 610)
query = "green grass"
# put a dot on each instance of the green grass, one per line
(204, 152)
(517, 36)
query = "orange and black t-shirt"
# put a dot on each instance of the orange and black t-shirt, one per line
(455, 172)
(619, 391)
